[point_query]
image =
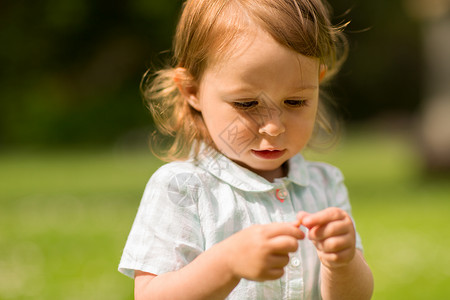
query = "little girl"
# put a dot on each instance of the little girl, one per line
(238, 213)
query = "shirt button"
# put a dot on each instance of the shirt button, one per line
(281, 195)
(295, 262)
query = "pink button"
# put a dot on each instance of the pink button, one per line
(281, 195)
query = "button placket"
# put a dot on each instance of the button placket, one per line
(294, 271)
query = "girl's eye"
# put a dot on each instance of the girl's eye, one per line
(295, 103)
(245, 104)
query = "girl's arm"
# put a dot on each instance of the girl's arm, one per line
(345, 274)
(257, 253)
(207, 277)
(354, 281)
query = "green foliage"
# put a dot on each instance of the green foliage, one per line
(384, 70)
(71, 69)
(65, 216)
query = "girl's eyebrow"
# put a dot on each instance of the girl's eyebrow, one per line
(251, 89)
(241, 89)
(306, 87)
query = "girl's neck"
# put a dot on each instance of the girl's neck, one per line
(270, 176)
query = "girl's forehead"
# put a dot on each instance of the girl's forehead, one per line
(259, 61)
(240, 45)
(250, 48)
(232, 50)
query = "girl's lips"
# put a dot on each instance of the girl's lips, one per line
(269, 154)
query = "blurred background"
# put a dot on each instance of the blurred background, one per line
(74, 158)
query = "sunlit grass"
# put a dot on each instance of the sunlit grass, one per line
(64, 220)
(65, 216)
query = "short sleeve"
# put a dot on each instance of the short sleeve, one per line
(166, 234)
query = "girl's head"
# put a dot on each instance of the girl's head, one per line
(211, 33)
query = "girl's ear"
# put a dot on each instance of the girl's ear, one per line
(187, 87)
(322, 72)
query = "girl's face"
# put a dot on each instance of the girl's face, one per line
(260, 104)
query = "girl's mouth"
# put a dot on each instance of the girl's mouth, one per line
(269, 154)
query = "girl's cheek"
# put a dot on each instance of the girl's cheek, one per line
(235, 135)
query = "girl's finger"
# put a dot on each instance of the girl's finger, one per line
(323, 217)
(337, 259)
(278, 261)
(335, 228)
(279, 229)
(300, 216)
(284, 244)
(337, 244)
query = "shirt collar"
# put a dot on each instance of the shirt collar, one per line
(241, 178)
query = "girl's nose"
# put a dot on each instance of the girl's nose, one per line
(272, 127)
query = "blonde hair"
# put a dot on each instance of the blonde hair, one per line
(205, 32)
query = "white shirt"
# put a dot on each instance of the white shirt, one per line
(189, 206)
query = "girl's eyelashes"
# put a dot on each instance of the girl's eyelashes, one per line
(295, 102)
(244, 105)
(249, 104)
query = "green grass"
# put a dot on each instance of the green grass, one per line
(65, 216)
(64, 220)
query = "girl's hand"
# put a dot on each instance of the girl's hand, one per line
(261, 252)
(333, 234)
